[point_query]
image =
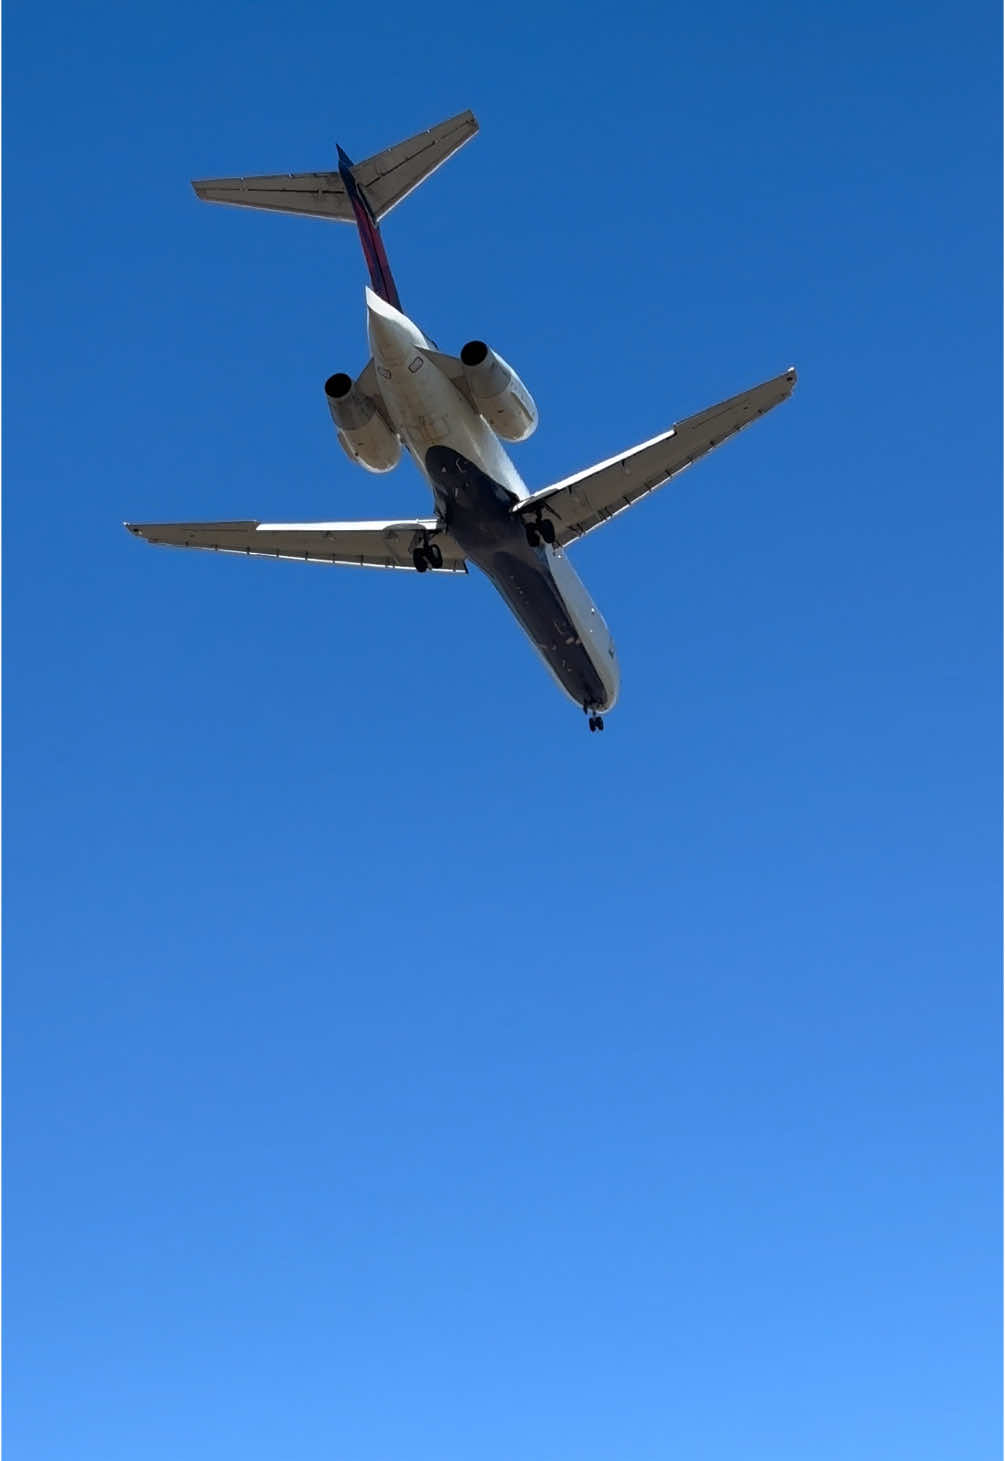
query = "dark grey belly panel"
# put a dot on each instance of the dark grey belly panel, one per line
(477, 511)
(530, 592)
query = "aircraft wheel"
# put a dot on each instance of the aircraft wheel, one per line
(419, 560)
(533, 536)
(547, 530)
(434, 555)
(600, 722)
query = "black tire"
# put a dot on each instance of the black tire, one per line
(533, 536)
(419, 560)
(434, 555)
(593, 724)
(547, 530)
(600, 722)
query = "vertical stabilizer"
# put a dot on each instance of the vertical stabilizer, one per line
(381, 278)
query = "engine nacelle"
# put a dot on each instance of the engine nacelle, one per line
(362, 431)
(499, 393)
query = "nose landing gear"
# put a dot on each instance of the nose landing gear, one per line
(595, 721)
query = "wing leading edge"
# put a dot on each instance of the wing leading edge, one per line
(581, 503)
(360, 544)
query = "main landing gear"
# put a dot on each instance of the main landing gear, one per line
(541, 530)
(427, 555)
(595, 722)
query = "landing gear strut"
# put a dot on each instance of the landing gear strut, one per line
(427, 555)
(541, 530)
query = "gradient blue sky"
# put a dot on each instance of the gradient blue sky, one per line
(394, 1071)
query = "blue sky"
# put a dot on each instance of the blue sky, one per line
(394, 1070)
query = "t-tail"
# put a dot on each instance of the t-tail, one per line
(381, 278)
(359, 192)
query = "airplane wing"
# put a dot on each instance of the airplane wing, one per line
(365, 544)
(385, 178)
(581, 503)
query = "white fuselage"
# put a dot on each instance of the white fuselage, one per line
(475, 485)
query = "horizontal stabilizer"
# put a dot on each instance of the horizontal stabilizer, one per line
(581, 503)
(362, 544)
(385, 178)
(316, 194)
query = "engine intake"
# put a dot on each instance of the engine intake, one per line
(363, 433)
(498, 392)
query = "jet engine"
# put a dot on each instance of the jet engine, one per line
(362, 431)
(498, 392)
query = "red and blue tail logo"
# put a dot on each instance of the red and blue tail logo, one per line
(369, 235)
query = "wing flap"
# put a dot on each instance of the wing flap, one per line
(582, 502)
(362, 544)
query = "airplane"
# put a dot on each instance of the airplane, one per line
(452, 413)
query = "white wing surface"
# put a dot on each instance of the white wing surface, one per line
(581, 503)
(363, 544)
(385, 178)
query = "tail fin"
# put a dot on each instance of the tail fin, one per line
(361, 193)
(381, 278)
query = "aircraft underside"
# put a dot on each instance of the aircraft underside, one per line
(475, 489)
(478, 514)
(452, 414)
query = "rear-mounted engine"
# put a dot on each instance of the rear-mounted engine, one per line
(364, 434)
(498, 392)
